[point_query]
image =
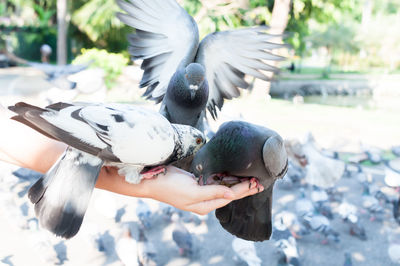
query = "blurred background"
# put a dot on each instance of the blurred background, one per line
(336, 102)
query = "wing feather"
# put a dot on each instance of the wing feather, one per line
(166, 36)
(230, 55)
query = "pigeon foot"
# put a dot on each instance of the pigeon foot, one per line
(154, 172)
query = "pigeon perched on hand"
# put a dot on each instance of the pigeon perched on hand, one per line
(240, 150)
(188, 76)
(139, 142)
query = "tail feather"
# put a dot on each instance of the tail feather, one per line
(248, 218)
(62, 196)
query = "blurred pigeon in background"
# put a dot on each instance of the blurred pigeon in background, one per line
(126, 248)
(349, 214)
(392, 173)
(293, 177)
(146, 251)
(243, 150)
(372, 204)
(188, 76)
(290, 220)
(98, 134)
(143, 213)
(166, 211)
(321, 202)
(322, 171)
(394, 246)
(396, 210)
(286, 243)
(182, 237)
(347, 259)
(321, 225)
(246, 251)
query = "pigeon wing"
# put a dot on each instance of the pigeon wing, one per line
(166, 37)
(230, 55)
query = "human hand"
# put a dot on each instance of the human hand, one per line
(180, 189)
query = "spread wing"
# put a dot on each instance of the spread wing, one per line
(166, 38)
(230, 55)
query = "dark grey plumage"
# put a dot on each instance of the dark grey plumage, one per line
(244, 150)
(166, 38)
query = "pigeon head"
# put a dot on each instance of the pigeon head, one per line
(200, 165)
(188, 141)
(195, 76)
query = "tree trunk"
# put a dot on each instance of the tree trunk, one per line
(62, 29)
(279, 21)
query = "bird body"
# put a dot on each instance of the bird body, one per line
(246, 251)
(146, 251)
(244, 150)
(182, 237)
(139, 142)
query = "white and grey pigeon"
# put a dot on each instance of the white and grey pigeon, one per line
(286, 243)
(139, 142)
(126, 248)
(372, 204)
(321, 202)
(246, 251)
(143, 212)
(349, 214)
(146, 251)
(182, 237)
(188, 76)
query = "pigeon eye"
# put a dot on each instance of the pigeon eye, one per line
(199, 141)
(199, 167)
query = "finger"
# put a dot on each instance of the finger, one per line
(242, 190)
(205, 207)
(211, 192)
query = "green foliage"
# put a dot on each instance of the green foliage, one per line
(111, 63)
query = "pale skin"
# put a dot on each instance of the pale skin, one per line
(23, 146)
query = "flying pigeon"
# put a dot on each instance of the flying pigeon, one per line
(182, 237)
(188, 76)
(246, 251)
(143, 213)
(139, 142)
(146, 251)
(243, 150)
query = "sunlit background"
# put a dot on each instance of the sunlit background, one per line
(340, 84)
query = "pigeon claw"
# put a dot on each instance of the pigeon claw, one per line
(254, 180)
(153, 172)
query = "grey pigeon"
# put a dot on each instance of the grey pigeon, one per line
(321, 202)
(182, 237)
(244, 150)
(166, 38)
(347, 259)
(396, 210)
(58, 74)
(372, 204)
(320, 224)
(139, 142)
(146, 251)
(143, 213)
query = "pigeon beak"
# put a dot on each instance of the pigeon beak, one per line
(204, 180)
